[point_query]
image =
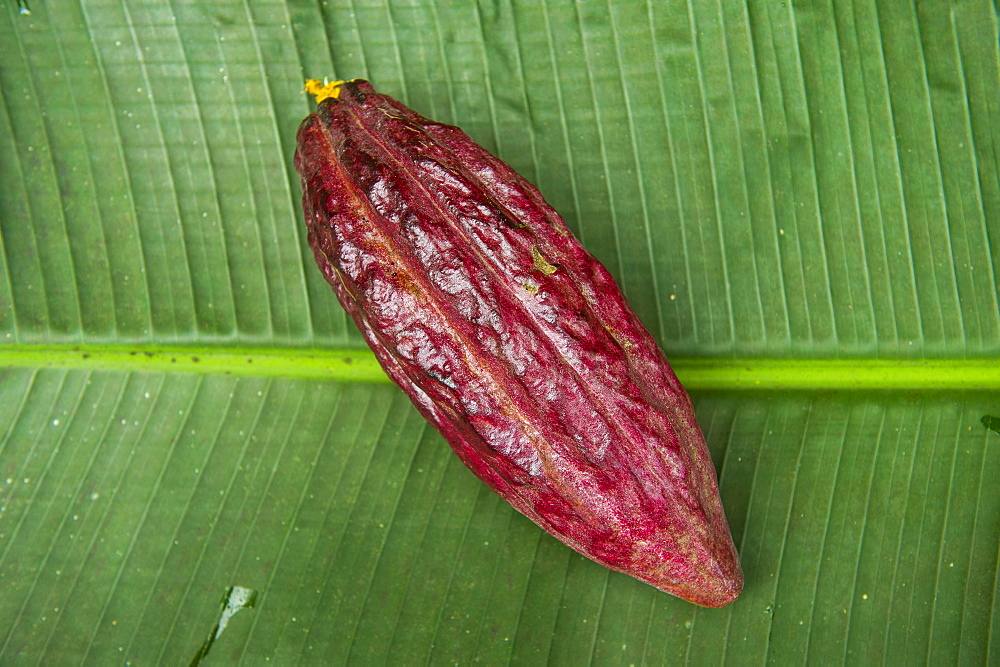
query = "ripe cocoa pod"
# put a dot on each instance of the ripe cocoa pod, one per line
(513, 341)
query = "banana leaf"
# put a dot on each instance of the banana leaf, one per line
(200, 460)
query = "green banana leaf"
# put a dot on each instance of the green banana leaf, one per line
(800, 199)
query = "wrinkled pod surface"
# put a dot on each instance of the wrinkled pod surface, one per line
(513, 341)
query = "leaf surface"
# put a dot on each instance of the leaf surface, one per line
(802, 203)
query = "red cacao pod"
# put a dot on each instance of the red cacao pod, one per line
(513, 341)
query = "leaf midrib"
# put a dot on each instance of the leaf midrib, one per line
(346, 364)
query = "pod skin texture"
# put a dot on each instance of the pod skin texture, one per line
(513, 341)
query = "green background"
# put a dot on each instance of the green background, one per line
(789, 186)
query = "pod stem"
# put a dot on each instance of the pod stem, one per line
(322, 90)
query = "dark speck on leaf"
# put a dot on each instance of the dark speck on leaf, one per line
(195, 359)
(992, 422)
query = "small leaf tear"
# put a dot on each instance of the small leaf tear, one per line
(234, 599)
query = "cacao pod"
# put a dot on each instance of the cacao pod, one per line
(512, 340)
